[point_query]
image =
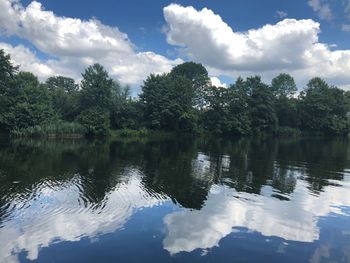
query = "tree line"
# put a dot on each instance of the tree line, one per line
(183, 100)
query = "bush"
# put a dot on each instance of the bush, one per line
(95, 121)
(337, 125)
(127, 133)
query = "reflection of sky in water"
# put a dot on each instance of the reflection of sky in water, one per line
(59, 214)
(56, 215)
(225, 209)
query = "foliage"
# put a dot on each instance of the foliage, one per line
(8, 90)
(198, 75)
(263, 113)
(65, 97)
(126, 113)
(58, 129)
(283, 85)
(287, 112)
(96, 88)
(227, 112)
(181, 101)
(95, 121)
(167, 102)
(324, 108)
(33, 105)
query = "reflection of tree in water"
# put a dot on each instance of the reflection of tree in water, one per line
(27, 167)
(318, 159)
(168, 167)
(229, 161)
(242, 164)
(262, 155)
(249, 165)
(182, 169)
(284, 180)
(99, 173)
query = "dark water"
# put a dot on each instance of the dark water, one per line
(175, 201)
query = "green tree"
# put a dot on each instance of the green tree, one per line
(65, 97)
(283, 88)
(216, 112)
(198, 75)
(324, 108)
(262, 106)
(239, 122)
(287, 112)
(61, 82)
(95, 120)
(283, 85)
(168, 102)
(8, 90)
(130, 115)
(96, 88)
(228, 110)
(125, 113)
(33, 105)
(96, 100)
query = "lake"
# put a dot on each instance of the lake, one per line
(175, 200)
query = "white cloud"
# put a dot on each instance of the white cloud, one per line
(281, 14)
(347, 9)
(72, 44)
(27, 60)
(76, 43)
(63, 36)
(290, 45)
(322, 9)
(217, 82)
(346, 27)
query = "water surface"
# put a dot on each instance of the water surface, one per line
(175, 201)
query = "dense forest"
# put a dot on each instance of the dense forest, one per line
(182, 100)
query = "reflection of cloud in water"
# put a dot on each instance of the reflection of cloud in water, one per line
(57, 215)
(201, 167)
(295, 220)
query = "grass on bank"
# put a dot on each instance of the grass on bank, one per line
(75, 130)
(52, 130)
(63, 129)
(140, 135)
(285, 131)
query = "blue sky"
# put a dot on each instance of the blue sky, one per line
(153, 37)
(142, 20)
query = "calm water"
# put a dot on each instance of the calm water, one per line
(175, 201)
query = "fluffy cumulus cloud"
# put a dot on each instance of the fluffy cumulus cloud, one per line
(68, 45)
(27, 60)
(290, 45)
(74, 44)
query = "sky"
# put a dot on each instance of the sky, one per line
(131, 39)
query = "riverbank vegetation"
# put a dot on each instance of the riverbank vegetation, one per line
(181, 101)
